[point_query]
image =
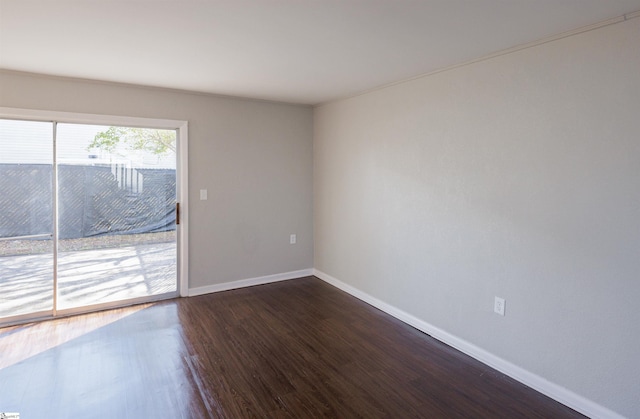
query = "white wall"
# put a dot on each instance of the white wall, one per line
(517, 176)
(255, 159)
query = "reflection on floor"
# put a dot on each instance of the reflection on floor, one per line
(291, 349)
(86, 277)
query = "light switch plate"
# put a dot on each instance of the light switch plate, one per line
(203, 194)
(498, 306)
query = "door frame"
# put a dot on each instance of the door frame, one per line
(182, 196)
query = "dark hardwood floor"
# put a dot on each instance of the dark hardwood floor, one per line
(293, 349)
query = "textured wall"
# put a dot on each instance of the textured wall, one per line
(516, 176)
(253, 157)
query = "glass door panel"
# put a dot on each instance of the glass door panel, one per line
(26, 218)
(116, 212)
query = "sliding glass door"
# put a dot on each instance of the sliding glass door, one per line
(26, 218)
(87, 217)
(116, 213)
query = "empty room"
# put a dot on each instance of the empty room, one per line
(336, 208)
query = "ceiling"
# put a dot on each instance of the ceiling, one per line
(298, 51)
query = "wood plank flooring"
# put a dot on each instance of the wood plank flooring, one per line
(292, 349)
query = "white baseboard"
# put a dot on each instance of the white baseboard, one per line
(556, 392)
(242, 283)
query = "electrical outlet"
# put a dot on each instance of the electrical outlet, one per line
(498, 306)
(292, 239)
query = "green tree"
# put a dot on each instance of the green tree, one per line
(156, 141)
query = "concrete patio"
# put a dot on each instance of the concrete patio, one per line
(86, 277)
